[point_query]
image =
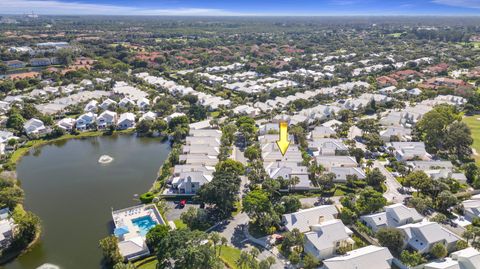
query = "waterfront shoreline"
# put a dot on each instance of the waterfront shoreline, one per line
(17, 155)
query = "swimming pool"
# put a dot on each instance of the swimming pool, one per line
(144, 224)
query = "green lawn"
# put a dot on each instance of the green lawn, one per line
(238, 208)
(215, 114)
(395, 35)
(474, 125)
(147, 263)
(229, 256)
(180, 224)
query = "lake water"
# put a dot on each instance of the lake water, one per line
(73, 194)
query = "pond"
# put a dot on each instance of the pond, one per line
(73, 194)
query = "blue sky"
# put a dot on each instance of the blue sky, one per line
(243, 7)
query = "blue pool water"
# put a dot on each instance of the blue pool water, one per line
(144, 223)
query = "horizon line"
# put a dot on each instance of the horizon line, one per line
(245, 15)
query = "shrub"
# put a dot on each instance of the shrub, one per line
(147, 197)
(9, 166)
(461, 244)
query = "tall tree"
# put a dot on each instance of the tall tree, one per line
(223, 189)
(370, 201)
(111, 253)
(458, 140)
(391, 238)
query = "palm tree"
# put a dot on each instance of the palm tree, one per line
(254, 252)
(243, 260)
(215, 237)
(468, 234)
(369, 163)
(223, 242)
(271, 260)
(294, 181)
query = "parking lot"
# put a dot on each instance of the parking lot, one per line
(174, 210)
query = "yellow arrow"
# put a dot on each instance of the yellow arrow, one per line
(283, 143)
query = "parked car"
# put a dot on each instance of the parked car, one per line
(182, 203)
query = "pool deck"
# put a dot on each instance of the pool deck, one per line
(131, 239)
(125, 217)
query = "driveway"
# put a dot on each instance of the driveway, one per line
(310, 201)
(238, 156)
(392, 194)
(174, 211)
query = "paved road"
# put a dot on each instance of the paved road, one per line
(392, 194)
(238, 156)
(233, 229)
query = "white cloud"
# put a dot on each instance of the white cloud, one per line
(54, 7)
(459, 3)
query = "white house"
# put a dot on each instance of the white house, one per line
(326, 238)
(327, 146)
(322, 132)
(149, 116)
(199, 156)
(303, 220)
(204, 124)
(4, 107)
(468, 258)
(106, 118)
(91, 106)
(400, 132)
(423, 235)
(336, 161)
(85, 121)
(5, 136)
(341, 173)
(126, 121)
(7, 226)
(34, 127)
(405, 151)
(394, 216)
(174, 115)
(190, 182)
(369, 257)
(143, 103)
(471, 209)
(66, 124)
(289, 170)
(126, 103)
(107, 104)
(415, 92)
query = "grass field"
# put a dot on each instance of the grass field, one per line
(229, 256)
(179, 224)
(148, 263)
(474, 125)
(475, 44)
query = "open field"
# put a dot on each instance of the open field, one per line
(229, 256)
(474, 125)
